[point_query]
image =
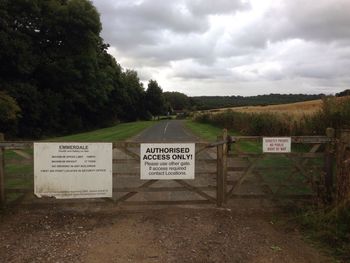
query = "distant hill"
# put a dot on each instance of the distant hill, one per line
(215, 102)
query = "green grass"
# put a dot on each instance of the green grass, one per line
(210, 132)
(25, 181)
(119, 132)
(248, 146)
(18, 169)
(11, 155)
(205, 131)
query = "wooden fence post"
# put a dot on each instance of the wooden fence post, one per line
(221, 170)
(2, 173)
(329, 164)
(343, 167)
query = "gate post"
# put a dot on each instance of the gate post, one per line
(221, 169)
(2, 173)
(343, 167)
(329, 164)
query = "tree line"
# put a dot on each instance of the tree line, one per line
(56, 76)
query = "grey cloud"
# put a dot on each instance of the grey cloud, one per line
(128, 24)
(323, 21)
(292, 59)
(306, 40)
(206, 7)
(178, 50)
(189, 69)
(209, 73)
(144, 74)
(317, 71)
(149, 29)
(159, 14)
(317, 61)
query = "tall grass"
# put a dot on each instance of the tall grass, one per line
(334, 113)
(330, 227)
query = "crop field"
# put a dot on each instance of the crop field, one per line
(297, 109)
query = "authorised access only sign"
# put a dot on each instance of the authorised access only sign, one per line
(167, 161)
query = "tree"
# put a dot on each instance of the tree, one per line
(49, 50)
(9, 113)
(343, 93)
(154, 99)
(177, 100)
(54, 63)
(135, 104)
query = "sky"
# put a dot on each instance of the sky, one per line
(232, 47)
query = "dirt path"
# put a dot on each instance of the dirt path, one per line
(171, 234)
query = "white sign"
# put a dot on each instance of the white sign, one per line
(167, 161)
(73, 170)
(276, 144)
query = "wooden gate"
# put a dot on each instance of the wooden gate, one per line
(305, 172)
(231, 167)
(16, 177)
(129, 189)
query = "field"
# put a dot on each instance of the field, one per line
(299, 119)
(297, 109)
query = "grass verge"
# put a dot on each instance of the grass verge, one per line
(119, 132)
(327, 228)
(205, 131)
